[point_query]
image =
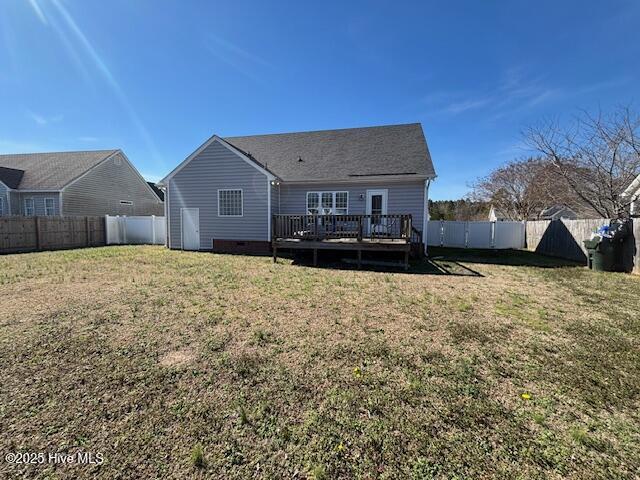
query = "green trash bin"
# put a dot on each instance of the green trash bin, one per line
(601, 254)
(591, 246)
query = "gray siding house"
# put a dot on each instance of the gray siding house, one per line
(74, 183)
(224, 196)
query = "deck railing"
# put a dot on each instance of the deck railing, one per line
(326, 227)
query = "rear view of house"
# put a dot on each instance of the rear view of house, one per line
(238, 193)
(74, 183)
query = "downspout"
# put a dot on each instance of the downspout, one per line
(425, 216)
(9, 190)
(269, 187)
(166, 216)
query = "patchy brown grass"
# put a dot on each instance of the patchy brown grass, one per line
(187, 365)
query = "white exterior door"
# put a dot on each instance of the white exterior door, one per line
(376, 205)
(190, 228)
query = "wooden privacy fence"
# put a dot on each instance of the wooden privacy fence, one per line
(562, 238)
(29, 234)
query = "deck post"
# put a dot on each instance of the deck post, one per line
(315, 257)
(275, 253)
(406, 260)
(359, 258)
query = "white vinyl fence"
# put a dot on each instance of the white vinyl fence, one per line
(498, 235)
(135, 230)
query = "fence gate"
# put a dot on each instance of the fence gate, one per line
(498, 235)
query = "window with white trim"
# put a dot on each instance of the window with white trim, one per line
(1, 206)
(230, 203)
(327, 203)
(29, 208)
(49, 207)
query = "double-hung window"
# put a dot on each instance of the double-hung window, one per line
(49, 207)
(327, 203)
(230, 203)
(29, 207)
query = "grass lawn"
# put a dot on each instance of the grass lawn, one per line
(194, 365)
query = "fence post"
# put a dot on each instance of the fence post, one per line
(466, 234)
(493, 235)
(86, 224)
(37, 225)
(153, 229)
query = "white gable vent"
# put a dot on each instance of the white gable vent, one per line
(117, 161)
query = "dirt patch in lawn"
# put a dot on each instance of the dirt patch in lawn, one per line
(177, 358)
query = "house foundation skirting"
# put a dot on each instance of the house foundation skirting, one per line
(242, 246)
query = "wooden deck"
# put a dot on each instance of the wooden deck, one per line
(389, 233)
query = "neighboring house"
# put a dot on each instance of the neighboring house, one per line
(558, 212)
(632, 196)
(552, 213)
(74, 183)
(496, 215)
(223, 196)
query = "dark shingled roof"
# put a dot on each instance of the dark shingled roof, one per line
(156, 190)
(52, 171)
(347, 154)
(11, 177)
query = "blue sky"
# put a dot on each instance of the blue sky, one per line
(158, 77)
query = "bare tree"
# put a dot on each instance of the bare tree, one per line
(597, 156)
(514, 189)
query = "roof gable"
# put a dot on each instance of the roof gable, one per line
(633, 190)
(11, 177)
(52, 171)
(249, 160)
(346, 154)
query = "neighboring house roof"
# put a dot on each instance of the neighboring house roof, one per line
(52, 171)
(346, 154)
(156, 190)
(11, 177)
(558, 211)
